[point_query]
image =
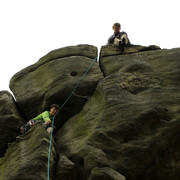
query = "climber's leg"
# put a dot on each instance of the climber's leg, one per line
(27, 126)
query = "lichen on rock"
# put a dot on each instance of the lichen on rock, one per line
(27, 157)
(128, 129)
(131, 118)
(10, 120)
(53, 78)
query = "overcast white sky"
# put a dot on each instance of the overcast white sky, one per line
(29, 29)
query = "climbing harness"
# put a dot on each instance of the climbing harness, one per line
(72, 93)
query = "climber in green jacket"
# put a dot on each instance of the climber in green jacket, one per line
(46, 117)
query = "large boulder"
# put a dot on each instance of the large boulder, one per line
(52, 79)
(27, 157)
(128, 129)
(112, 50)
(131, 124)
(109, 55)
(10, 120)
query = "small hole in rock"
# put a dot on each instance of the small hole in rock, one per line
(74, 73)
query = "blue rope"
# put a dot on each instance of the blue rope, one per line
(50, 147)
(60, 110)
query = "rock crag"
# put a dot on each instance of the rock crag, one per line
(10, 120)
(26, 158)
(128, 129)
(53, 78)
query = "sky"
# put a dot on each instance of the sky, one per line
(29, 29)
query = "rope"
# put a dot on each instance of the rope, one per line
(60, 110)
(84, 97)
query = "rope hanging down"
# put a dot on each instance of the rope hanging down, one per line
(73, 92)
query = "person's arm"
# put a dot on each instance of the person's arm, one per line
(46, 117)
(110, 40)
(125, 36)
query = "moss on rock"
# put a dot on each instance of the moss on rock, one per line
(10, 120)
(27, 157)
(133, 119)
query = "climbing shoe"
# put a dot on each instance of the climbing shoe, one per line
(25, 128)
(22, 129)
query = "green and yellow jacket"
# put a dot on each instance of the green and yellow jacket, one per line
(45, 116)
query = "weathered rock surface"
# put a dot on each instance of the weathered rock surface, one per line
(10, 120)
(27, 157)
(112, 50)
(66, 170)
(52, 79)
(132, 122)
(110, 56)
(129, 129)
(105, 174)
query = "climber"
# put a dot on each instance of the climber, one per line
(46, 117)
(118, 38)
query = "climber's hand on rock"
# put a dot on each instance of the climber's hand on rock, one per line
(47, 123)
(117, 41)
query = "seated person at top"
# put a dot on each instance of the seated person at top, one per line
(118, 38)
